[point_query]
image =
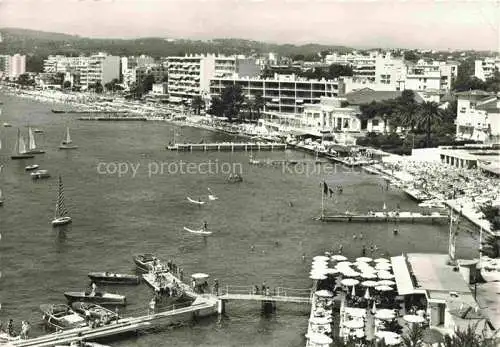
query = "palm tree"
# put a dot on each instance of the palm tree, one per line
(413, 337)
(429, 114)
(408, 115)
(258, 104)
(469, 338)
(197, 103)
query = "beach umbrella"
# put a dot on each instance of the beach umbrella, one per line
(319, 339)
(383, 266)
(349, 282)
(324, 293)
(354, 324)
(383, 315)
(413, 318)
(351, 273)
(320, 320)
(387, 334)
(317, 276)
(331, 271)
(385, 275)
(386, 283)
(364, 259)
(353, 291)
(369, 284)
(374, 307)
(320, 257)
(368, 275)
(382, 260)
(338, 257)
(383, 288)
(367, 294)
(355, 312)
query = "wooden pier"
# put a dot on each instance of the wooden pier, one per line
(403, 217)
(114, 118)
(127, 325)
(227, 146)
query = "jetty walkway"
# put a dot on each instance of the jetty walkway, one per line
(228, 146)
(403, 217)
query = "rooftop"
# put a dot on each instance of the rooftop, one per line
(367, 95)
(433, 274)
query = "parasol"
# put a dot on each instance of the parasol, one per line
(364, 259)
(369, 284)
(320, 257)
(383, 266)
(317, 276)
(412, 318)
(384, 275)
(381, 260)
(349, 282)
(354, 324)
(324, 293)
(338, 257)
(386, 283)
(319, 339)
(367, 294)
(383, 288)
(368, 275)
(199, 276)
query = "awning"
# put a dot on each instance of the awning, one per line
(402, 275)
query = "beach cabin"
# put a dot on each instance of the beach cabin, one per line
(430, 288)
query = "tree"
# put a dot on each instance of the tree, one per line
(67, 85)
(337, 70)
(232, 99)
(411, 56)
(413, 337)
(25, 80)
(197, 104)
(428, 116)
(491, 246)
(147, 83)
(216, 107)
(136, 90)
(469, 338)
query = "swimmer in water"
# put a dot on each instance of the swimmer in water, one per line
(303, 256)
(354, 237)
(290, 203)
(252, 248)
(361, 236)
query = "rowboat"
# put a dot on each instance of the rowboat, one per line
(195, 201)
(99, 298)
(31, 167)
(61, 316)
(109, 277)
(199, 232)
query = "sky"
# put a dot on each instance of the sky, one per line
(426, 24)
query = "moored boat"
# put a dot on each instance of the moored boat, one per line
(102, 298)
(1, 198)
(67, 143)
(109, 277)
(31, 167)
(32, 148)
(145, 262)
(38, 174)
(94, 311)
(7, 125)
(20, 148)
(61, 216)
(61, 316)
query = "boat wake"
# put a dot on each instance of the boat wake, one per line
(199, 232)
(195, 201)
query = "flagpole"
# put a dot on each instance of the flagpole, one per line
(449, 236)
(480, 245)
(323, 201)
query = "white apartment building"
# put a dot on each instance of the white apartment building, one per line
(190, 76)
(12, 66)
(478, 116)
(485, 68)
(282, 93)
(129, 66)
(329, 116)
(99, 67)
(430, 75)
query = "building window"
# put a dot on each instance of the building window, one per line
(375, 122)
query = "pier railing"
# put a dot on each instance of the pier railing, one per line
(257, 291)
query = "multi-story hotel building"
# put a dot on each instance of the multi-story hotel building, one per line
(478, 116)
(12, 66)
(430, 75)
(484, 69)
(282, 93)
(190, 76)
(100, 67)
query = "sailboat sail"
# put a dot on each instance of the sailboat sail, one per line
(68, 137)
(22, 146)
(31, 144)
(61, 210)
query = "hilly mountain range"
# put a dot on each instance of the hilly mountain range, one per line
(40, 44)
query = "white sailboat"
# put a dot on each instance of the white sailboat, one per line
(32, 144)
(1, 198)
(67, 143)
(61, 213)
(20, 148)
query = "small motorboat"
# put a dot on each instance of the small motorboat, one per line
(7, 125)
(38, 131)
(61, 316)
(94, 310)
(115, 278)
(39, 174)
(31, 167)
(199, 232)
(145, 262)
(195, 201)
(99, 298)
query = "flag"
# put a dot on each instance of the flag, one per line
(325, 188)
